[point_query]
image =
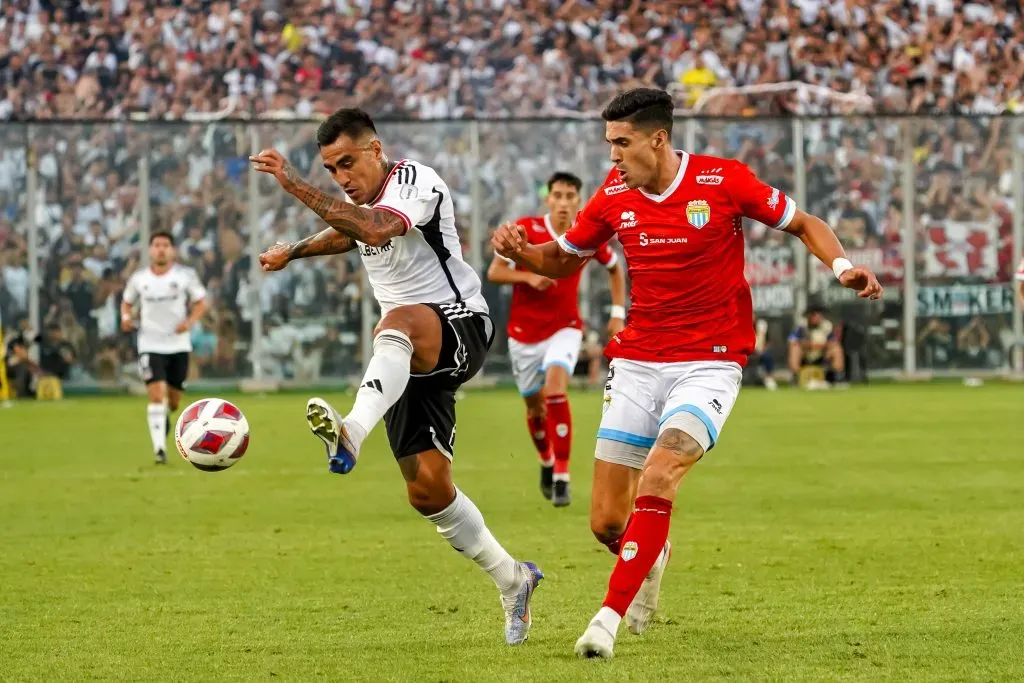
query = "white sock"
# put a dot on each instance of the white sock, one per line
(608, 618)
(387, 375)
(463, 526)
(156, 416)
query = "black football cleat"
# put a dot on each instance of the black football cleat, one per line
(561, 497)
(547, 476)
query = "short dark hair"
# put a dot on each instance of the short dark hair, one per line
(647, 108)
(161, 233)
(351, 122)
(564, 177)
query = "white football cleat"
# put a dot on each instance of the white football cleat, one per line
(596, 642)
(517, 606)
(640, 614)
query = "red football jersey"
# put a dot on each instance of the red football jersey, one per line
(536, 315)
(689, 300)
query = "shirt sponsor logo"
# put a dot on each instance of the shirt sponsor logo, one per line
(616, 189)
(367, 250)
(709, 180)
(698, 213)
(645, 240)
(628, 220)
(773, 200)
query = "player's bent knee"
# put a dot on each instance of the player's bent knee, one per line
(410, 320)
(556, 380)
(607, 529)
(619, 453)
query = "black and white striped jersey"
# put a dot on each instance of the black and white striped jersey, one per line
(425, 264)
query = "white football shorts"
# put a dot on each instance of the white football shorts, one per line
(640, 397)
(531, 361)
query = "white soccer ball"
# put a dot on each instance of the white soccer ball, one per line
(212, 434)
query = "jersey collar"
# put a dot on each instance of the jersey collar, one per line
(550, 227)
(659, 198)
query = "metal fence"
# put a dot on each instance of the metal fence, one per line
(934, 205)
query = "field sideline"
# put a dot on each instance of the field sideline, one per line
(863, 535)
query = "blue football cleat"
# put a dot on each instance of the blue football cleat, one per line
(517, 606)
(325, 423)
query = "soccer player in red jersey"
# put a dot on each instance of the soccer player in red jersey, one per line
(545, 333)
(676, 368)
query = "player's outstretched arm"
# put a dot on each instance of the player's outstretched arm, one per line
(547, 259)
(368, 226)
(501, 272)
(324, 243)
(823, 243)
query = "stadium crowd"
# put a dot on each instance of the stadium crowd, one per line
(441, 59)
(89, 208)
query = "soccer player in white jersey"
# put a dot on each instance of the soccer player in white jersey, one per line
(433, 335)
(170, 299)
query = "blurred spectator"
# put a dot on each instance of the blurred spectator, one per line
(814, 351)
(429, 59)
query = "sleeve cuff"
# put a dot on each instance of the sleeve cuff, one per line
(787, 214)
(613, 261)
(568, 246)
(396, 212)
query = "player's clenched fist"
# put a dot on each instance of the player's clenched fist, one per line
(272, 162)
(508, 240)
(276, 257)
(863, 281)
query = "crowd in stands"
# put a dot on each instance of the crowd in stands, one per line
(88, 208)
(442, 59)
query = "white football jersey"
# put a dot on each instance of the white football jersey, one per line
(164, 301)
(425, 264)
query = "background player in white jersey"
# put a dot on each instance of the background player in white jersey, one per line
(170, 299)
(433, 336)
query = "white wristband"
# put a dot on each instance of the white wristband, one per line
(840, 266)
(618, 312)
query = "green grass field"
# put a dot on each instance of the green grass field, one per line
(863, 535)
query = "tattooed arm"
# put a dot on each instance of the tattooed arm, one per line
(368, 226)
(324, 243)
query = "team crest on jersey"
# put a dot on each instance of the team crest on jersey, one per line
(698, 213)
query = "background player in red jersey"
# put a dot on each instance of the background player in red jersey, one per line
(676, 367)
(545, 333)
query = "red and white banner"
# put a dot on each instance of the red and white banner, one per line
(961, 249)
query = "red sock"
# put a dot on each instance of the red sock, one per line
(616, 545)
(559, 431)
(641, 545)
(538, 426)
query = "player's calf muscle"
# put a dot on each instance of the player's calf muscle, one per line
(428, 481)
